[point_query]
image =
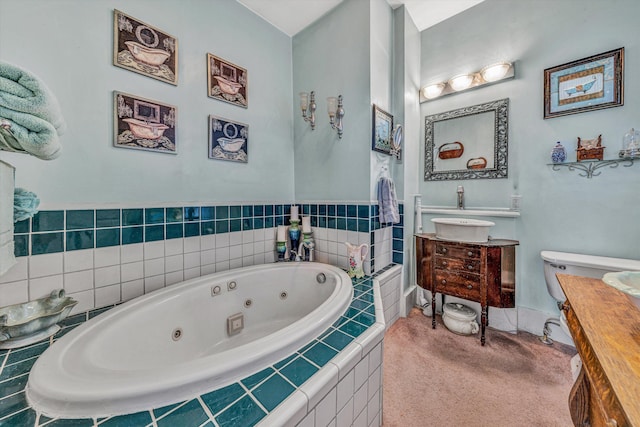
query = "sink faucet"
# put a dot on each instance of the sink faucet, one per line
(460, 192)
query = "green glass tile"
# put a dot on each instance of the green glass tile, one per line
(98, 311)
(79, 240)
(247, 224)
(153, 233)
(12, 404)
(284, 361)
(107, 237)
(354, 329)
(208, 212)
(307, 347)
(47, 221)
(12, 386)
(341, 210)
(257, 378)
(21, 245)
(247, 211)
(222, 226)
(322, 221)
(207, 227)
(398, 232)
(191, 229)
(331, 223)
(132, 235)
(365, 319)
(363, 211)
(366, 297)
(320, 354)
(132, 217)
(174, 214)
(352, 224)
(363, 225)
(268, 222)
(331, 210)
(20, 354)
(351, 312)
(61, 422)
(107, 218)
(258, 223)
(322, 209)
(80, 219)
(47, 243)
(279, 209)
(280, 221)
(268, 210)
(219, 399)
(131, 420)
(154, 216)
(159, 412)
(245, 413)
(21, 226)
(273, 391)
(258, 210)
(359, 305)
(23, 418)
(342, 320)
(174, 231)
(398, 257)
(76, 319)
(235, 212)
(191, 213)
(341, 223)
(298, 371)
(222, 212)
(314, 209)
(190, 414)
(337, 340)
(235, 225)
(306, 209)
(352, 211)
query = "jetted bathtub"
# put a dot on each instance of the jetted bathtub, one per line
(175, 343)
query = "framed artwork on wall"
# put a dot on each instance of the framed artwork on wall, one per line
(144, 124)
(587, 84)
(226, 81)
(382, 131)
(144, 49)
(228, 140)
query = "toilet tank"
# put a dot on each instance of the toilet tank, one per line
(580, 265)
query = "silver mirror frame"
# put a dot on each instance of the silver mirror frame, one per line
(501, 139)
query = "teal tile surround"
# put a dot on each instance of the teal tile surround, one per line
(59, 231)
(241, 404)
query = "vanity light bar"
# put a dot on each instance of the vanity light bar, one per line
(488, 75)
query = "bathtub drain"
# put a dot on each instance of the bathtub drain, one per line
(283, 295)
(176, 334)
(248, 303)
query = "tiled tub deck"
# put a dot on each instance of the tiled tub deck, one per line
(334, 380)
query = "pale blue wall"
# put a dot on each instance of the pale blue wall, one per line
(560, 210)
(332, 57)
(68, 43)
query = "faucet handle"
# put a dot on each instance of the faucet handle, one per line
(460, 189)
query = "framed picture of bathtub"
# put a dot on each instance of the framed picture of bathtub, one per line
(382, 130)
(587, 84)
(226, 81)
(144, 49)
(228, 140)
(143, 124)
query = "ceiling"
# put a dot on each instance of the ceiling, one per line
(292, 16)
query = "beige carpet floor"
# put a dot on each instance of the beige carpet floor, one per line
(433, 377)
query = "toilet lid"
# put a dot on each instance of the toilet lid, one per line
(459, 311)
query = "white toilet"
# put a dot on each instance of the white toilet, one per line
(577, 265)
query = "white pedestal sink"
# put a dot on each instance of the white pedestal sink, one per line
(462, 229)
(627, 282)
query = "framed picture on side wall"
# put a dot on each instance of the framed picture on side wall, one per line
(144, 124)
(144, 49)
(226, 81)
(382, 131)
(587, 84)
(228, 140)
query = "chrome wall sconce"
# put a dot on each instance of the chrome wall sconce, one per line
(490, 74)
(336, 113)
(308, 107)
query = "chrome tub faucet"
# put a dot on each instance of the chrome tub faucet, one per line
(460, 192)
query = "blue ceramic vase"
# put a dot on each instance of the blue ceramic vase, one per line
(558, 154)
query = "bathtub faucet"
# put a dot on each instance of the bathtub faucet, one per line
(305, 251)
(296, 254)
(460, 192)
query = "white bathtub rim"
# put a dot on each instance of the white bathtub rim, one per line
(191, 382)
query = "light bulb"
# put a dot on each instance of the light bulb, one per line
(433, 91)
(495, 72)
(461, 82)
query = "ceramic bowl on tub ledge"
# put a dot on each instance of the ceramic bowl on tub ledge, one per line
(627, 282)
(462, 229)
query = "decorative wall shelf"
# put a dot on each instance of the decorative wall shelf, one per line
(589, 167)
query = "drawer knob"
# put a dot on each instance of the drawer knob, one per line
(470, 267)
(444, 250)
(470, 253)
(444, 282)
(469, 286)
(444, 263)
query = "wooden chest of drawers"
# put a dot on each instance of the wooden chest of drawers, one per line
(480, 272)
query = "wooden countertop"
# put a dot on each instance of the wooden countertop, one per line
(490, 243)
(611, 325)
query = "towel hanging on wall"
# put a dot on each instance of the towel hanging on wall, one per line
(387, 201)
(30, 117)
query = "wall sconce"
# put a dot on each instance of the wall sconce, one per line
(488, 75)
(308, 107)
(336, 113)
